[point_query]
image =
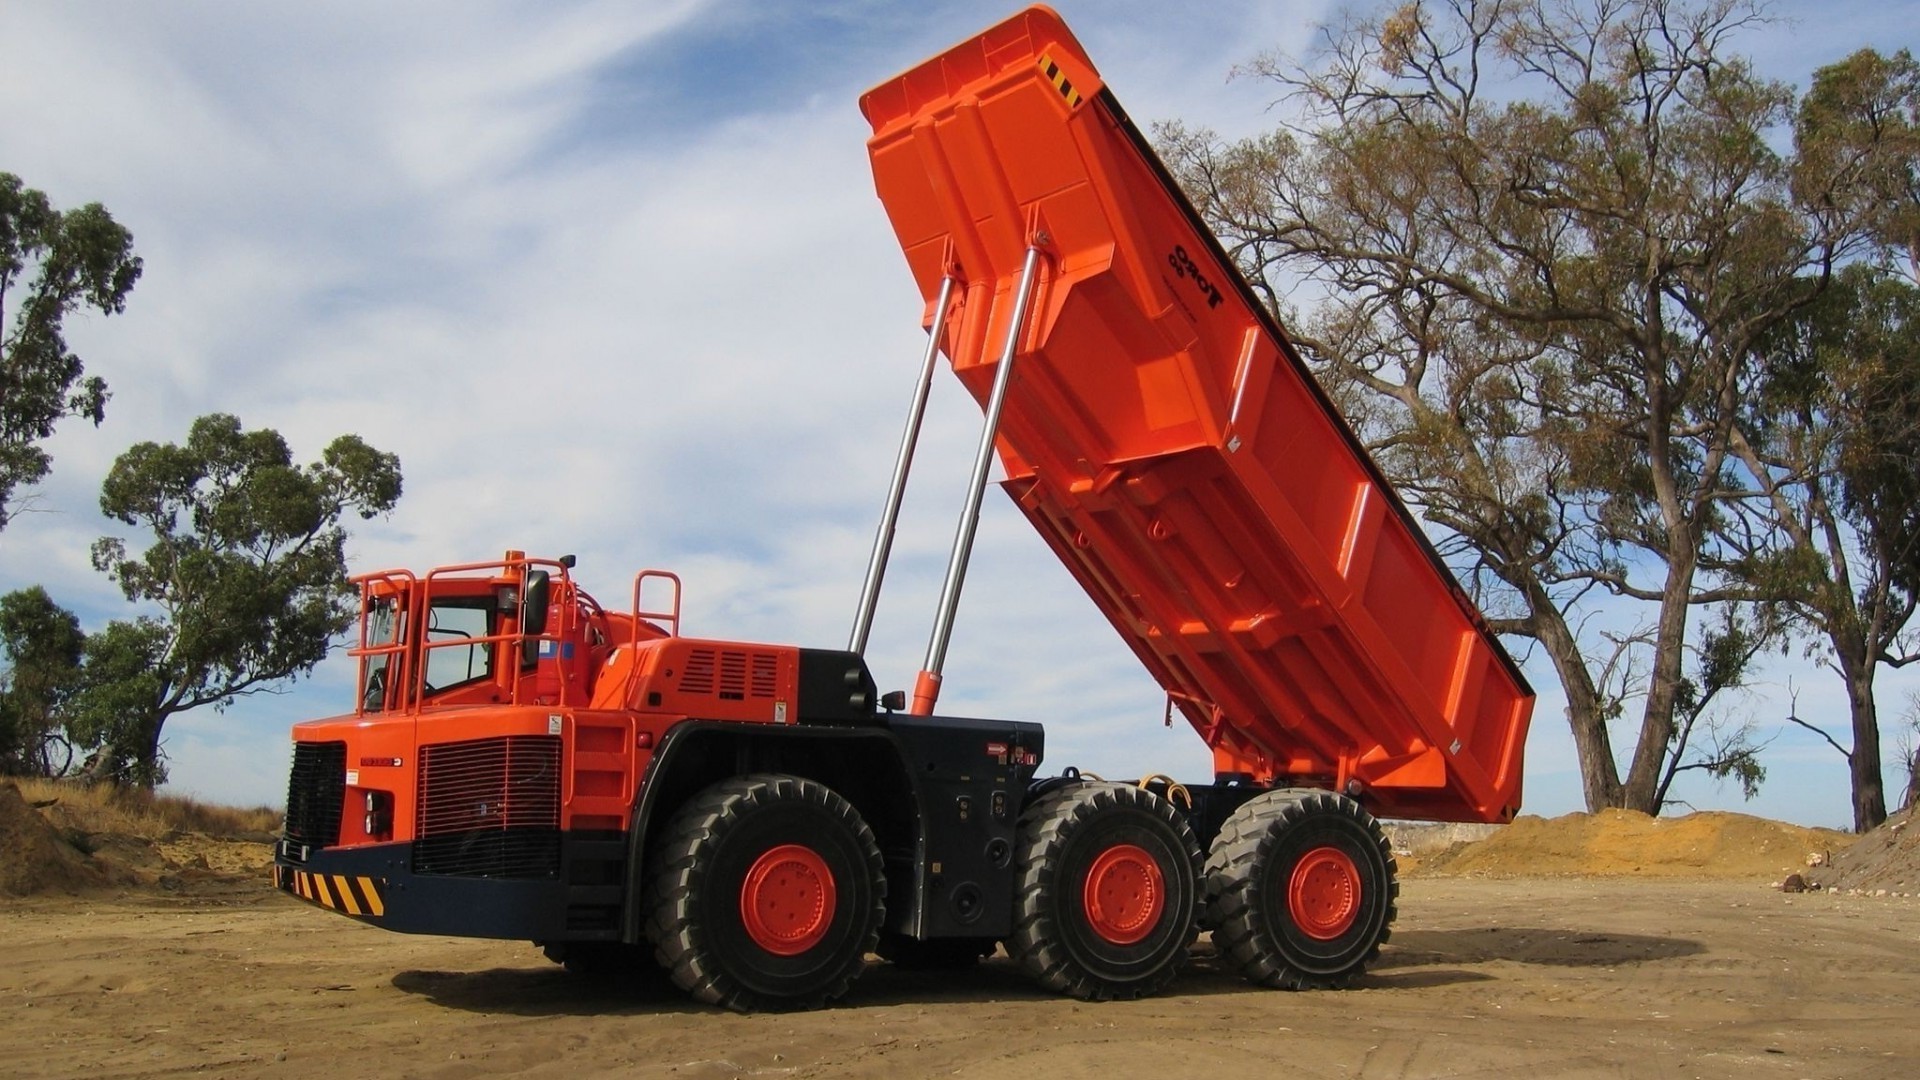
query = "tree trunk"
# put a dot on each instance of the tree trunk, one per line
(1656, 724)
(1869, 788)
(146, 768)
(1586, 714)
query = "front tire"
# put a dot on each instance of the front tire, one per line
(1301, 889)
(765, 893)
(1107, 890)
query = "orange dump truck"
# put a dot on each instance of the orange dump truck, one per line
(524, 763)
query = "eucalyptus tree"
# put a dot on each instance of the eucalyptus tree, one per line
(52, 263)
(1836, 449)
(40, 644)
(1539, 245)
(244, 570)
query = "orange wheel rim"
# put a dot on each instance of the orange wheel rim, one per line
(1124, 894)
(787, 899)
(1323, 895)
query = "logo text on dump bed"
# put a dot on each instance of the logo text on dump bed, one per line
(1185, 270)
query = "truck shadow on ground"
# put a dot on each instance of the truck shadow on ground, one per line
(553, 991)
(1527, 945)
(547, 991)
(535, 991)
(1412, 960)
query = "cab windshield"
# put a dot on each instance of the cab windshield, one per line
(456, 650)
(383, 627)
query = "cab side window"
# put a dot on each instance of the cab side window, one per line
(456, 650)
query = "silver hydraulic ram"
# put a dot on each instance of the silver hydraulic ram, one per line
(926, 689)
(902, 464)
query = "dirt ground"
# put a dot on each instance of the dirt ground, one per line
(1606, 945)
(1535, 978)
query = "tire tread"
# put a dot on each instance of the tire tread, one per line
(1046, 828)
(673, 879)
(1233, 867)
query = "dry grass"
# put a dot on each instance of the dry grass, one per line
(125, 812)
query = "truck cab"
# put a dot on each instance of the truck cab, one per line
(519, 631)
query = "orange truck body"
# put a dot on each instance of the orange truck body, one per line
(524, 763)
(1164, 437)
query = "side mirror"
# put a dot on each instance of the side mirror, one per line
(533, 610)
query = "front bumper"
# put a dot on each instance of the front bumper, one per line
(375, 884)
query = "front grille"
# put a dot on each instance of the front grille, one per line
(490, 808)
(316, 788)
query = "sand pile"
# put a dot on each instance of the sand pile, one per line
(47, 849)
(1886, 858)
(1619, 843)
(35, 857)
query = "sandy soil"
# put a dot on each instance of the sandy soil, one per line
(1565, 977)
(1616, 843)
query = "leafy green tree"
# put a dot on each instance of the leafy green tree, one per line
(57, 263)
(246, 566)
(42, 644)
(1835, 445)
(1861, 119)
(1540, 243)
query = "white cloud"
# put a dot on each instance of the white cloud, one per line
(601, 296)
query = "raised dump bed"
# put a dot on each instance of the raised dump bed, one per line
(1164, 436)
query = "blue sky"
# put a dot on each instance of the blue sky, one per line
(610, 278)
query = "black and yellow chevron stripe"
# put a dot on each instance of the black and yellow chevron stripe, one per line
(1059, 80)
(338, 892)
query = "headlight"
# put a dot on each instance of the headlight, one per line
(379, 819)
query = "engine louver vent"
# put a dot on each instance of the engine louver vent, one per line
(316, 789)
(731, 674)
(766, 673)
(698, 676)
(490, 808)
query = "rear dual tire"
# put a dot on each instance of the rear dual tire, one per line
(1107, 889)
(1301, 890)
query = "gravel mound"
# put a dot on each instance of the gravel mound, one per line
(1886, 858)
(1620, 843)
